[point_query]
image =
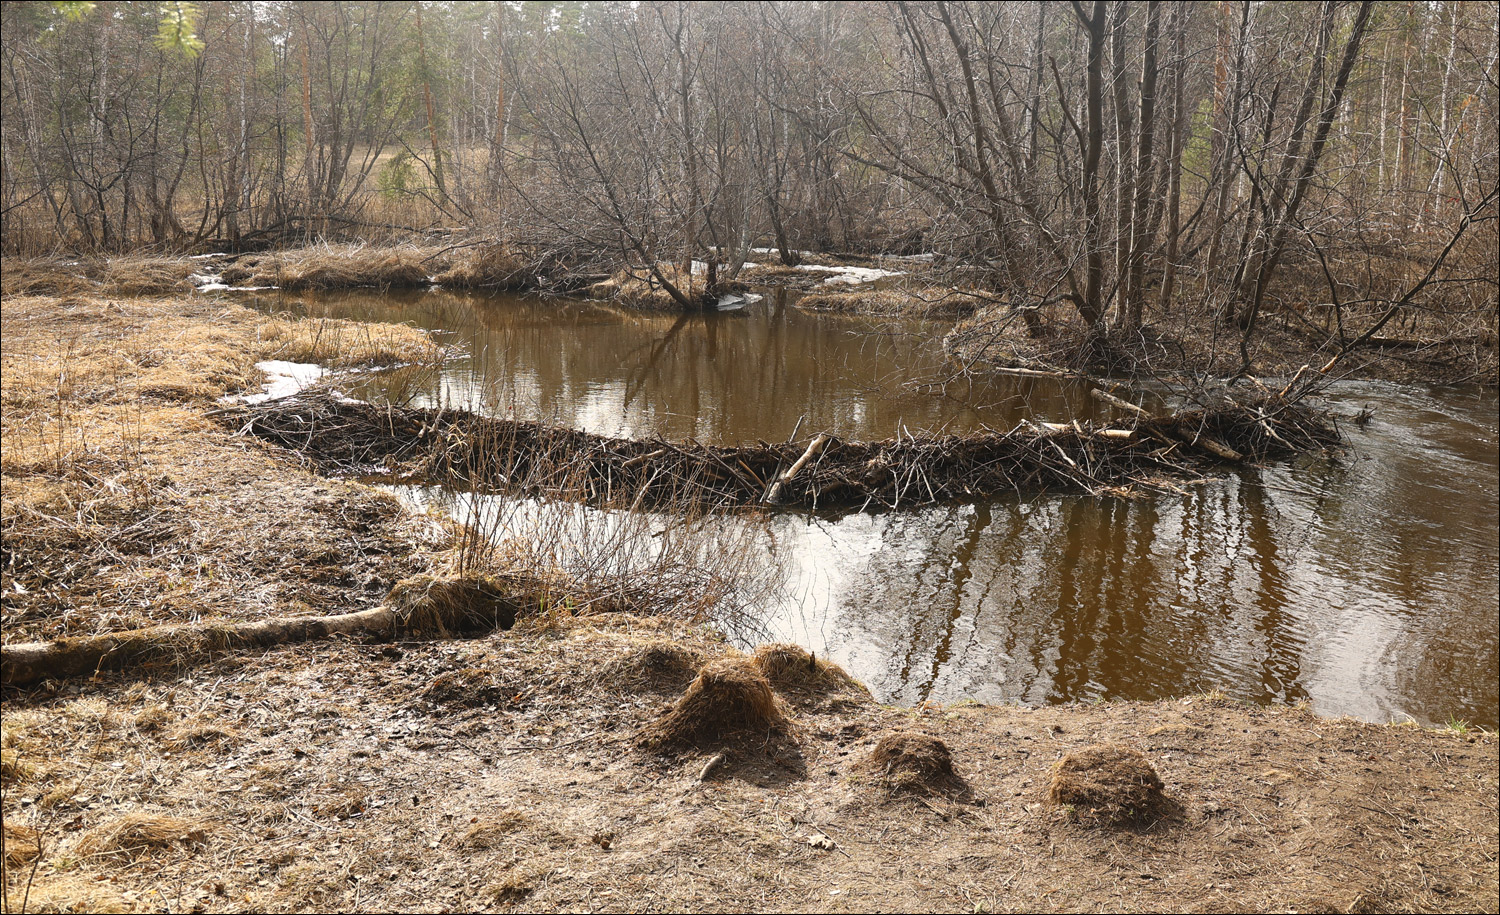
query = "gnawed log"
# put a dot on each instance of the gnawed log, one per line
(774, 494)
(422, 605)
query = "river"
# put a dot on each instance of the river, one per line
(1364, 584)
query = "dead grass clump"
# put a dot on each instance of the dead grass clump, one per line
(1107, 784)
(490, 267)
(345, 344)
(491, 832)
(661, 664)
(20, 276)
(132, 276)
(139, 832)
(471, 687)
(342, 268)
(23, 844)
(930, 301)
(912, 763)
(729, 696)
(195, 735)
(790, 666)
(12, 768)
(447, 605)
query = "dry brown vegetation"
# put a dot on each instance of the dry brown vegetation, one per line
(1109, 784)
(343, 267)
(921, 300)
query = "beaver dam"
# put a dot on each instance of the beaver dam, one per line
(460, 449)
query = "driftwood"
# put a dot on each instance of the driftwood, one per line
(463, 450)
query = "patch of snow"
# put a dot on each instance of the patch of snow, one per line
(204, 257)
(283, 379)
(851, 276)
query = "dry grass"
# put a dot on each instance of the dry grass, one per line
(343, 267)
(126, 506)
(792, 667)
(137, 833)
(729, 697)
(919, 301)
(1108, 784)
(346, 344)
(125, 275)
(492, 267)
(912, 763)
(659, 664)
(23, 844)
(442, 605)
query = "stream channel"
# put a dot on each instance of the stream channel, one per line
(1365, 585)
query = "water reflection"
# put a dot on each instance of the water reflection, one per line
(719, 378)
(1366, 586)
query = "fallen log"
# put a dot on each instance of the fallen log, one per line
(464, 450)
(424, 605)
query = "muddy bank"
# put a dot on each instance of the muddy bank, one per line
(461, 449)
(512, 773)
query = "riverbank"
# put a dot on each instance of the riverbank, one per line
(513, 769)
(989, 332)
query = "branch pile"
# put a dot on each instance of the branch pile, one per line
(465, 450)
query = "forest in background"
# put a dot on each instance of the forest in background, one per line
(1334, 161)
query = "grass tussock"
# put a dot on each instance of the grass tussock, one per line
(729, 697)
(912, 763)
(492, 267)
(1108, 784)
(434, 604)
(660, 664)
(137, 833)
(23, 844)
(342, 267)
(924, 301)
(337, 343)
(792, 667)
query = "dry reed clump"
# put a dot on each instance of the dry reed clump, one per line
(729, 697)
(1108, 784)
(490, 267)
(660, 664)
(790, 666)
(23, 844)
(342, 267)
(144, 275)
(912, 763)
(38, 277)
(337, 343)
(442, 605)
(927, 301)
(470, 687)
(138, 832)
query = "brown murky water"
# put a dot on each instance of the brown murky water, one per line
(1366, 586)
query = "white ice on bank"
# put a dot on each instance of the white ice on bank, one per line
(283, 379)
(734, 302)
